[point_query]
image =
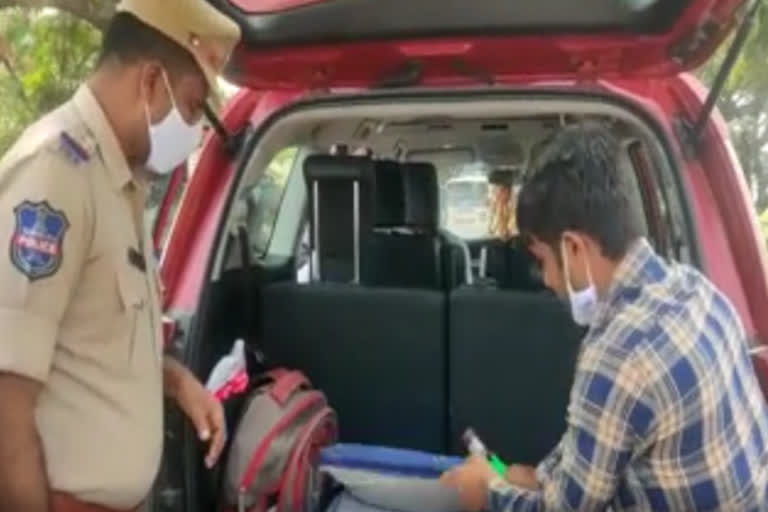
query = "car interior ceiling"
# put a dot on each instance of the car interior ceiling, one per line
(410, 350)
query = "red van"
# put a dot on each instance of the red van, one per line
(281, 237)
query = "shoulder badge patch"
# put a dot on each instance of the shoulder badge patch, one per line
(36, 244)
(73, 149)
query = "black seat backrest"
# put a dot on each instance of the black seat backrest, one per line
(511, 363)
(389, 195)
(378, 353)
(422, 203)
(421, 197)
(337, 187)
(403, 250)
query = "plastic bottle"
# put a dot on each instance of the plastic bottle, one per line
(230, 375)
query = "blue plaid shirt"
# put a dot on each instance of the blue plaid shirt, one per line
(665, 412)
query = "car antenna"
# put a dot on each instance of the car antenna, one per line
(231, 142)
(722, 74)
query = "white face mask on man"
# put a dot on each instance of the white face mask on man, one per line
(583, 302)
(172, 139)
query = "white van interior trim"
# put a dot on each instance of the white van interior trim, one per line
(307, 127)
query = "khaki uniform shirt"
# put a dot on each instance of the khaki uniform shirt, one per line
(79, 308)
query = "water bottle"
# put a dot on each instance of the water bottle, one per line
(230, 375)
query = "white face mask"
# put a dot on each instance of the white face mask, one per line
(172, 139)
(583, 302)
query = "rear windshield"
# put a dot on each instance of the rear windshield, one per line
(466, 208)
(466, 194)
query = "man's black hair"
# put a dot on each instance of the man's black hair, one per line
(579, 186)
(129, 40)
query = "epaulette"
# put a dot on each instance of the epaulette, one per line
(73, 149)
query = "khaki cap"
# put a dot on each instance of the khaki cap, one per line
(207, 33)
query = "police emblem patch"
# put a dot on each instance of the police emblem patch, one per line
(37, 240)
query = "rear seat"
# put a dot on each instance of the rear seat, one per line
(403, 249)
(332, 213)
(392, 362)
(422, 210)
(378, 353)
(522, 347)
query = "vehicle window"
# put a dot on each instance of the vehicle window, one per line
(465, 200)
(263, 199)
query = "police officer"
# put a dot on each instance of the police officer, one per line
(82, 372)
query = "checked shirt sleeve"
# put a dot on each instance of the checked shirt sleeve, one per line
(610, 413)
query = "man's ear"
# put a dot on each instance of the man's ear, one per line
(154, 93)
(570, 243)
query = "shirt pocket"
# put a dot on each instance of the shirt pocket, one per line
(133, 331)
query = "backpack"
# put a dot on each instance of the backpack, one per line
(276, 444)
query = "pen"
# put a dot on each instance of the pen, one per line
(476, 447)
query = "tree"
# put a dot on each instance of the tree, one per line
(46, 55)
(744, 104)
(96, 12)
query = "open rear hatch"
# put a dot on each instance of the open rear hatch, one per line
(364, 43)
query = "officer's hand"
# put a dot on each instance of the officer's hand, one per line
(471, 481)
(203, 410)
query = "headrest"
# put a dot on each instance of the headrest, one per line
(390, 195)
(338, 167)
(421, 195)
(330, 188)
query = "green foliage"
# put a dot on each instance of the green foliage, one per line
(764, 224)
(280, 167)
(51, 54)
(744, 104)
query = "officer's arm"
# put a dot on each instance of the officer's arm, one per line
(612, 411)
(23, 483)
(45, 230)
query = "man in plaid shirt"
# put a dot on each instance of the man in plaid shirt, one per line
(665, 412)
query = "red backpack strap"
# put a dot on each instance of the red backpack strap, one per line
(312, 399)
(321, 430)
